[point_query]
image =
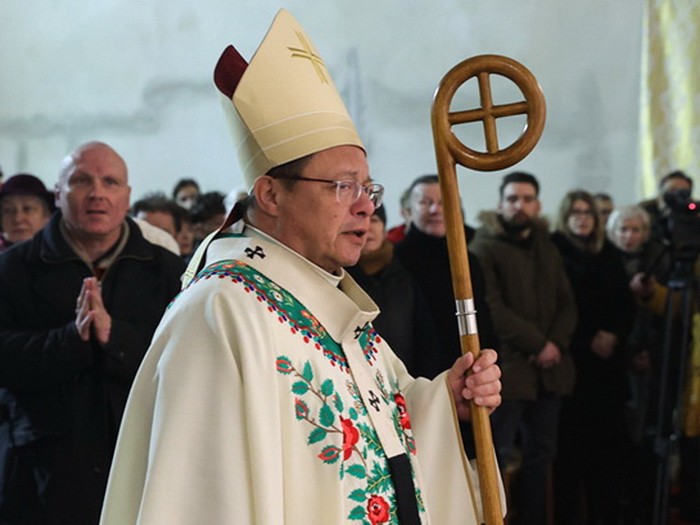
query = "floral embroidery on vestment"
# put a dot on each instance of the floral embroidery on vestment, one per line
(341, 433)
(361, 455)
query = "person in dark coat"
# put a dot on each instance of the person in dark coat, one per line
(404, 319)
(79, 303)
(424, 253)
(592, 435)
(534, 312)
(629, 229)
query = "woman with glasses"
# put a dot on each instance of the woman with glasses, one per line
(589, 467)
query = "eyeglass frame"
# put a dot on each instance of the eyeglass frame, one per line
(581, 213)
(371, 189)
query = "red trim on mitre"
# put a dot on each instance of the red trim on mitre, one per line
(229, 71)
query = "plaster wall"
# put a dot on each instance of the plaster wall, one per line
(137, 75)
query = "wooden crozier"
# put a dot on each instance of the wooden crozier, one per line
(448, 152)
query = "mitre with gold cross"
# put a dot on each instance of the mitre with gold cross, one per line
(283, 105)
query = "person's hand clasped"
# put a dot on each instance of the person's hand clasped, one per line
(90, 312)
(477, 381)
(603, 344)
(643, 286)
(549, 356)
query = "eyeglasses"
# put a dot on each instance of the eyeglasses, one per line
(348, 191)
(582, 213)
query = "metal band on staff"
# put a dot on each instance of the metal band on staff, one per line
(466, 317)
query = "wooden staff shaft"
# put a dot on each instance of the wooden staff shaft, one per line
(462, 288)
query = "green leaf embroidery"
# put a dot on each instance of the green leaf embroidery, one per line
(380, 479)
(316, 435)
(300, 388)
(358, 513)
(357, 470)
(419, 498)
(327, 387)
(370, 436)
(326, 415)
(358, 495)
(307, 373)
(338, 402)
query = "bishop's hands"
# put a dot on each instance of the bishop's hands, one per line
(91, 316)
(478, 381)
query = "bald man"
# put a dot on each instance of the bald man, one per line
(79, 303)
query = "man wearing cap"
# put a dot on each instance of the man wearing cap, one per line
(79, 303)
(25, 207)
(267, 397)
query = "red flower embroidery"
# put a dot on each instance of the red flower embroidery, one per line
(377, 510)
(403, 413)
(350, 437)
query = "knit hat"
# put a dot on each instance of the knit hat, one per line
(26, 184)
(283, 105)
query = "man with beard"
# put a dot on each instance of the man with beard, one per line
(534, 313)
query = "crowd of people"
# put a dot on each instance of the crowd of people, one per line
(580, 354)
(580, 344)
(295, 372)
(181, 221)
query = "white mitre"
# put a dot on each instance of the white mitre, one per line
(284, 104)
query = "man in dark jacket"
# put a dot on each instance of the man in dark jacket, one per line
(79, 303)
(534, 313)
(424, 253)
(404, 318)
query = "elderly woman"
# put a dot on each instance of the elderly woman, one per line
(629, 228)
(25, 207)
(592, 439)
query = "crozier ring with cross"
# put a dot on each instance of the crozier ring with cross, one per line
(533, 107)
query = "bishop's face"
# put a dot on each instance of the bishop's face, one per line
(312, 221)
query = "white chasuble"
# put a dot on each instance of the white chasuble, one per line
(268, 398)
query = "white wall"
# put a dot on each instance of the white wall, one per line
(137, 74)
